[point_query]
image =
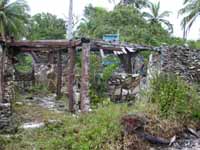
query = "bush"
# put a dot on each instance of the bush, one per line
(100, 73)
(175, 97)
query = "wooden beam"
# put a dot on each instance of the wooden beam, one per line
(46, 49)
(85, 100)
(44, 44)
(70, 78)
(59, 74)
(109, 48)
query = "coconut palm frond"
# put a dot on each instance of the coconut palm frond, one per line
(165, 14)
(154, 16)
(168, 25)
(13, 17)
(191, 12)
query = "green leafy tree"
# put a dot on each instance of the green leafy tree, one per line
(46, 26)
(191, 12)
(93, 24)
(126, 20)
(13, 18)
(157, 17)
(139, 4)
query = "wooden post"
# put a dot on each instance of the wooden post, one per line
(126, 61)
(85, 101)
(51, 58)
(33, 76)
(1, 73)
(70, 77)
(59, 74)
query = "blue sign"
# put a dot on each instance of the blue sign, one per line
(111, 37)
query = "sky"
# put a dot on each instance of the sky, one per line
(60, 8)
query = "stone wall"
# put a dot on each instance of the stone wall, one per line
(6, 115)
(182, 61)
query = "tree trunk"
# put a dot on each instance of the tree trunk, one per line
(71, 75)
(85, 101)
(59, 74)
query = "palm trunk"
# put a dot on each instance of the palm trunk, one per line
(71, 75)
(85, 101)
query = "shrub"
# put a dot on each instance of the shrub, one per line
(175, 97)
(99, 76)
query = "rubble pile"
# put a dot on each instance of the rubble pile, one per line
(123, 87)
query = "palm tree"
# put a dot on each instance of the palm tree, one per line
(139, 4)
(13, 18)
(155, 17)
(191, 12)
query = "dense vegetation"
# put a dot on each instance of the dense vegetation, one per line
(46, 26)
(175, 97)
(128, 19)
(125, 20)
(132, 24)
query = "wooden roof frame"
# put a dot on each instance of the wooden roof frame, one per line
(54, 45)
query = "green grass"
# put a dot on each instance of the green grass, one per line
(171, 101)
(97, 130)
(88, 131)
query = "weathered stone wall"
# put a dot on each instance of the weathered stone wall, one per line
(5, 116)
(6, 119)
(182, 61)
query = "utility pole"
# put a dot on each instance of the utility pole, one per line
(70, 21)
